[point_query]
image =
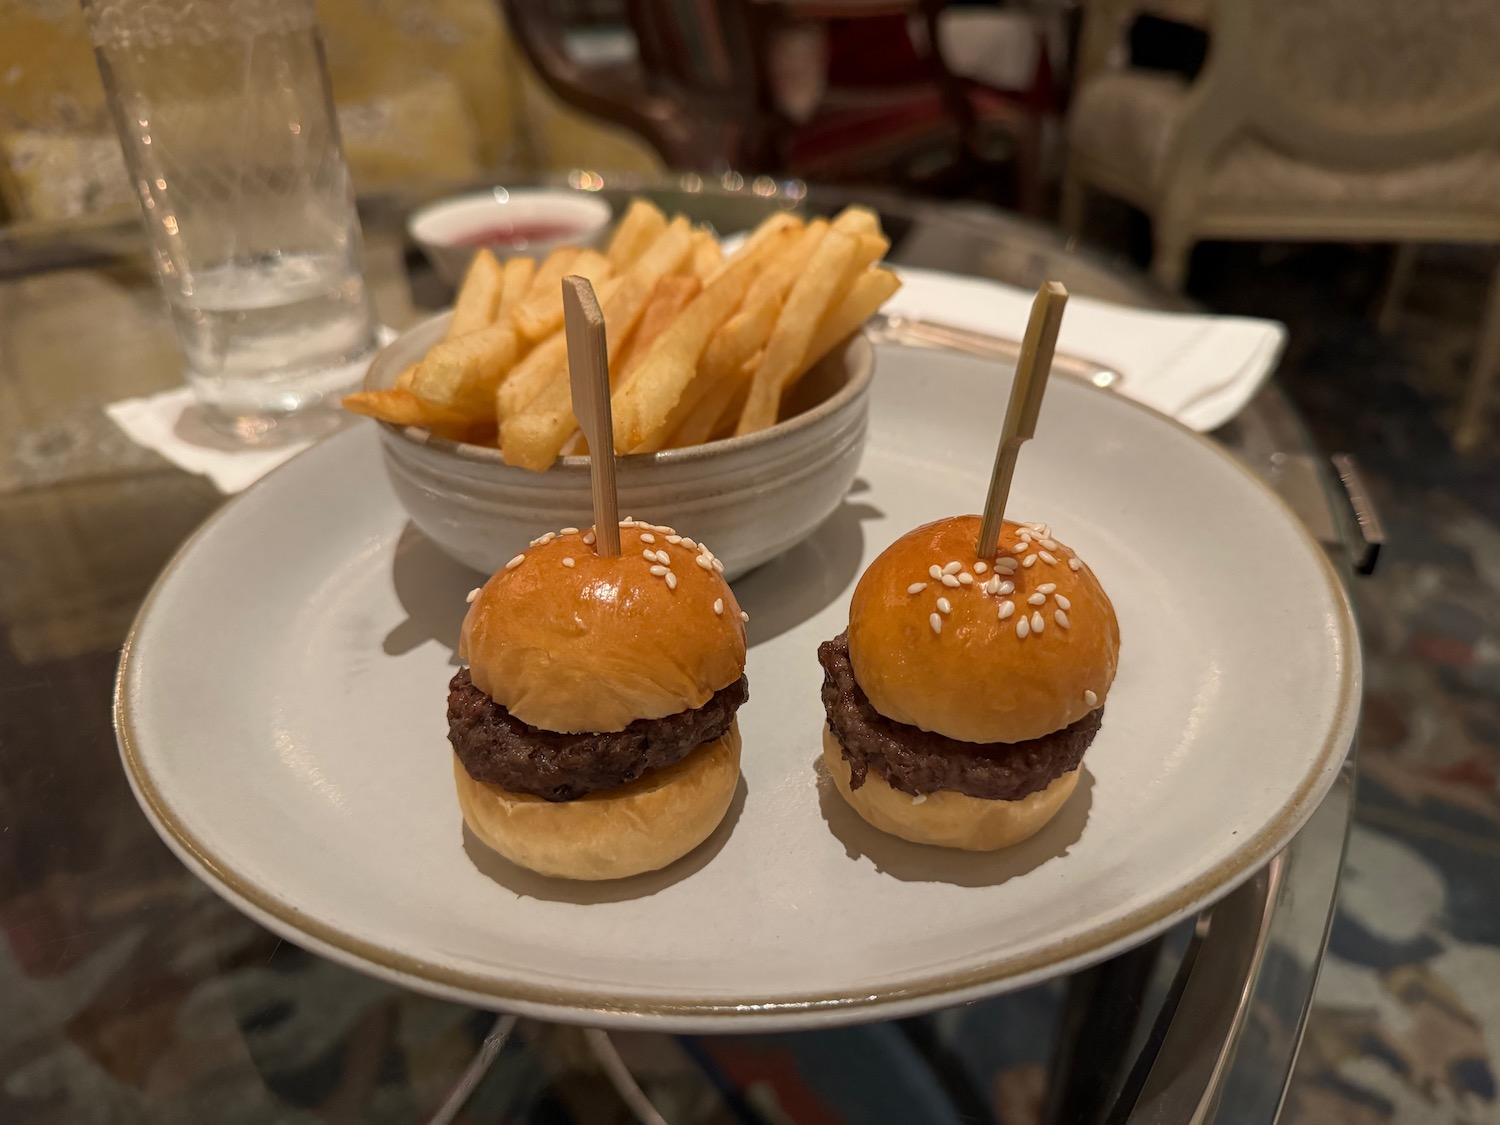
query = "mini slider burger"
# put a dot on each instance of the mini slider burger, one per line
(979, 653)
(963, 695)
(594, 729)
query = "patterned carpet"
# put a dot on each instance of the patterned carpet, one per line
(1407, 1022)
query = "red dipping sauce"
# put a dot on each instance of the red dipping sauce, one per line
(519, 234)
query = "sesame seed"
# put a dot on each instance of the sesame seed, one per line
(1023, 628)
(718, 566)
(916, 587)
(1037, 624)
(1061, 618)
(981, 566)
(950, 581)
(649, 555)
(944, 605)
(674, 539)
(658, 570)
(547, 537)
(626, 522)
(1048, 557)
(1018, 549)
(919, 799)
(719, 606)
(966, 579)
(935, 571)
(1046, 587)
(1062, 602)
(1029, 560)
(1006, 609)
(568, 531)
(662, 556)
(688, 543)
(567, 562)
(588, 540)
(1006, 588)
(992, 586)
(671, 581)
(1050, 544)
(1007, 565)
(744, 616)
(936, 622)
(705, 562)
(474, 593)
(953, 568)
(1036, 599)
(1090, 698)
(647, 537)
(1075, 564)
(515, 562)
(664, 530)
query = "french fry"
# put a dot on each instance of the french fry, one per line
(549, 274)
(774, 227)
(533, 436)
(776, 279)
(461, 374)
(857, 220)
(860, 302)
(400, 408)
(403, 380)
(642, 225)
(667, 300)
(518, 275)
(708, 255)
(623, 299)
(478, 297)
(542, 314)
(720, 373)
(644, 405)
(576, 445)
(807, 302)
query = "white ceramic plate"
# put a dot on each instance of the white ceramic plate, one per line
(281, 714)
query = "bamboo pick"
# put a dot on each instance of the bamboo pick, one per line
(1026, 394)
(588, 376)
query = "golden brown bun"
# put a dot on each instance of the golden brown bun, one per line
(596, 645)
(947, 818)
(611, 833)
(977, 680)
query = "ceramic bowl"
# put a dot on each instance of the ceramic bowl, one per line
(750, 498)
(444, 230)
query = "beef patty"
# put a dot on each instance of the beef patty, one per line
(497, 747)
(916, 761)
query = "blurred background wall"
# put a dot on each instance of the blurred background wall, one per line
(428, 91)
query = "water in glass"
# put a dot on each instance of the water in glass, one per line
(225, 115)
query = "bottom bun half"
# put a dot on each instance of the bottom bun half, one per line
(947, 818)
(610, 834)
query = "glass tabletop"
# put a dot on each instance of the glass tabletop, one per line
(132, 993)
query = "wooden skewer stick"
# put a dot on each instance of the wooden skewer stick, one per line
(1026, 393)
(588, 376)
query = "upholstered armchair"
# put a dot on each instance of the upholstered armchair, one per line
(1328, 120)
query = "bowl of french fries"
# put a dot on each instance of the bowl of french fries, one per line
(739, 387)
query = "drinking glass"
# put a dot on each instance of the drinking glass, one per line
(225, 114)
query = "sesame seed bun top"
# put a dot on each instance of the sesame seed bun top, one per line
(982, 650)
(569, 641)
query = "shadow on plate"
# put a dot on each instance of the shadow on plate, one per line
(921, 863)
(794, 586)
(529, 884)
(431, 588)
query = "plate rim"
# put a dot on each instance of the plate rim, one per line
(922, 993)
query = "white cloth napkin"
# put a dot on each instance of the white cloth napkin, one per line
(1199, 369)
(169, 423)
